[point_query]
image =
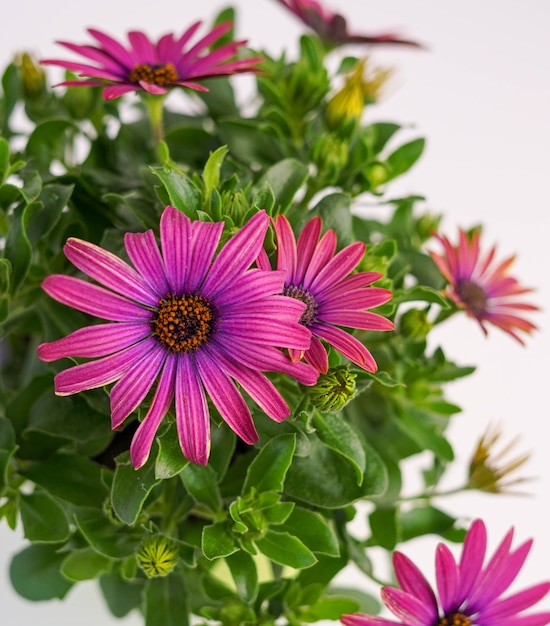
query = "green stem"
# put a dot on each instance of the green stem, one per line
(155, 108)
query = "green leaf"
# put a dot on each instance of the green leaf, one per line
(202, 484)
(121, 595)
(54, 199)
(404, 157)
(268, 470)
(420, 293)
(383, 525)
(245, 574)
(379, 134)
(84, 564)
(7, 449)
(211, 172)
(415, 422)
(338, 435)
(48, 139)
(72, 478)
(217, 541)
(182, 193)
(114, 542)
(313, 530)
(131, 487)
(285, 178)
(18, 249)
(424, 520)
(170, 460)
(44, 519)
(285, 549)
(335, 211)
(329, 607)
(327, 480)
(166, 601)
(35, 573)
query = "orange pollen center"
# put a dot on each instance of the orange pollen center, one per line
(160, 75)
(183, 324)
(455, 619)
(473, 296)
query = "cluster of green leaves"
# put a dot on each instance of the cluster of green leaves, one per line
(259, 533)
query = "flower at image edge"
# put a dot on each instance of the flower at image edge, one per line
(153, 67)
(332, 28)
(334, 297)
(483, 288)
(469, 593)
(192, 320)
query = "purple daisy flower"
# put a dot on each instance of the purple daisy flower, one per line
(470, 594)
(195, 321)
(484, 289)
(332, 27)
(151, 67)
(317, 276)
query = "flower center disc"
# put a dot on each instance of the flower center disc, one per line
(184, 323)
(473, 296)
(298, 293)
(159, 75)
(455, 619)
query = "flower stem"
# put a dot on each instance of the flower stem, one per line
(155, 107)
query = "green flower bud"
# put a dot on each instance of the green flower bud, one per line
(330, 155)
(33, 78)
(157, 556)
(414, 324)
(333, 390)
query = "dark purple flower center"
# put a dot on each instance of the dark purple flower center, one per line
(455, 619)
(184, 323)
(473, 296)
(299, 293)
(160, 75)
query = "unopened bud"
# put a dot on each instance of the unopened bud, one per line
(333, 390)
(157, 556)
(33, 78)
(414, 324)
(330, 155)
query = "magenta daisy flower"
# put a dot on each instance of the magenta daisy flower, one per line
(317, 276)
(332, 27)
(195, 321)
(153, 67)
(481, 287)
(470, 594)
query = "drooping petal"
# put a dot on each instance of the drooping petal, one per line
(192, 415)
(164, 395)
(129, 392)
(101, 372)
(226, 398)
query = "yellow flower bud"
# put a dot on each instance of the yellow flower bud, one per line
(157, 556)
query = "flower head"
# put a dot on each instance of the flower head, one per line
(484, 289)
(153, 67)
(332, 27)
(157, 556)
(196, 321)
(470, 593)
(359, 88)
(488, 471)
(321, 279)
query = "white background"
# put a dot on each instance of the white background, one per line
(480, 95)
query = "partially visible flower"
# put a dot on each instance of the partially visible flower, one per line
(359, 87)
(488, 471)
(153, 67)
(157, 556)
(197, 321)
(333, 390)
(469, 592)
(33, 79)
(332, 27)
(484, 289)
(314, 274)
